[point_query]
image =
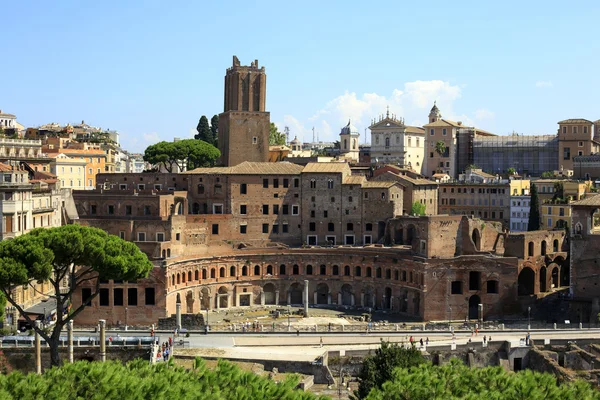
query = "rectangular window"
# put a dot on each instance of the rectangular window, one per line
(431, 132)
(313, 184)
(265, 183)
(243, 209)
(118, 296)
(456, 287)
(215, 229)
(141, 186)
(132, 297)
(276, 209)
(160, 236)
(275, 228)
(296, 182)
(265, 209)
(243, 188)
(286, 182)
(474, 280)
(566, 153)
(147, 210)
(312, 213)
(122, 234)
(104, 294)
(549, 225)
(111, 210)
(492, 287)
(580, 144)
(150, 296)
(128, 210)
(444, 131)
(243, 229)
(325, 214)
(312, 227)
(93, 209)
(284, 228)
(285, 209)
(265, 228)
(86, 293)
(275, 183)
(141, 236)
(295, 210)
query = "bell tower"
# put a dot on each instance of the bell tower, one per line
(434, 114)
(244, 123)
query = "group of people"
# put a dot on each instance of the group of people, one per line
(421, 342)
(164, 350)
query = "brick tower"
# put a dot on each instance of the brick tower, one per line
(244, 123)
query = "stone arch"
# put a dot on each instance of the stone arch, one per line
(295, 270)
(526, 282)
(476, 237)
(244, 270)
(347, 295)
(204, 273)
(223, 297)
(474, 302)
(322, 293)
(309, 269)
(164, 253)
(578, 228)
(189, 276)
(387, 298)
(530, 249)
(555, 246)
(189, 302)
(543, 251)
(256, 270)
(399, 235)
(178, 278)
(555, 275)
(357, 270)
(222, 272)
(269, 270)
(213, 273)
(346, 270)
(543, 280)
(232, 271)
(369, 272)
(295, 294)
(269, 293)
(368, 297)
(196, 275)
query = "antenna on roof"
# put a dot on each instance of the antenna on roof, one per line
(313, 134)
(286, 130)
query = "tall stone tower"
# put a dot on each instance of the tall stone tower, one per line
(244, 123)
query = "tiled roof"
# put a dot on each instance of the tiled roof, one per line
(415, 129)
(588, 201)
(5, 115)
(440, 175)
(354, 180)
(377, 184)
(444, 122)
(328, 167)
(5, 168)
(575, 121)
(253, 168)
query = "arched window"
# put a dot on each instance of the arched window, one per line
(222, 272)
(173, 280)
(357, 271)
(183, 277)
(369, 273)
(543, 247)
(345, 144)
(189, 275)
(256, 270)
(388, 274)
(200, 189)
(269, 270)
(347, 270)
(396, 275)
(178, 279)
(309, 270)
(232, 271)
(387, 142)
(335, 270)
(378, 272)
(282, 269)
(196, 275)
(244, 271)
(203, 274)
(295, 269)
(530, 249)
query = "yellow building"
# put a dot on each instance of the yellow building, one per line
(71, 172)
(555, 215)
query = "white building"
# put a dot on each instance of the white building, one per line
(519, 212)
(393, 142)
(8, 121)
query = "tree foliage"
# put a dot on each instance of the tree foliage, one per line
(418, 208)
(511, 171)
(204, 132)
(548, 174)
(138, 380)
(214, 128)
(378, 369)
(457, 381)
(191, 152)
(74, 252)
(276, 137)
(440, 147)
(534, 210)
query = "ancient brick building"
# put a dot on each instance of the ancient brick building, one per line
(244, 123)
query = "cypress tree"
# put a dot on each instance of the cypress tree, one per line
(534, 210)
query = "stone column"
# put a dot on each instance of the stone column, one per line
(103, 340)
(383, 302)
(328, 298)
(392, 303)
(289, 298)
(70, 330)
(262, 297)
(38, 349)
(339, 298)
(315, 297)
(178, 315)
(352, 299)
(277, 297)
(306, 298)
(480, 312)
(362, 299)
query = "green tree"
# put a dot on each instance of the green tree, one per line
(378, 369)
(417, 208)
(203, 129)
(548, 174)
(534, 210)
(275, 137)
(73, 252)
(189, 152)
(214, 128)
(559, 191)
(511, 171)
(440, 147)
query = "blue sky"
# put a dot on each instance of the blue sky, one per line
(150, 69)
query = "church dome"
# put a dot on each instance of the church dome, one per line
(295, 141)
(349, 130)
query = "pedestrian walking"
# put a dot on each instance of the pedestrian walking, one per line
(427, 341)
(421, 341)
(484, 339)
(476, 331)
(321, 341)
(412, 340)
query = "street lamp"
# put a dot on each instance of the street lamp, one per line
(528, 318)
(126, 318)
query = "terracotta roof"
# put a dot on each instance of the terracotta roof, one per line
(43, 175)
(575, 121)
(415, 129)
(377, 184)
(588, 201)
(354, 180)
(89, 152)
(253, 168)
(481, 173)
(440, 175)
(328, 167)
(445, 122)
(4, 167)
(416, 181)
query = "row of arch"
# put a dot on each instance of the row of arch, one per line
(544, 280)
(309, 270)
(544, 248)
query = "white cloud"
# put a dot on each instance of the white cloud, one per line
(483, 113)
(412, 102)
(543, 84)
